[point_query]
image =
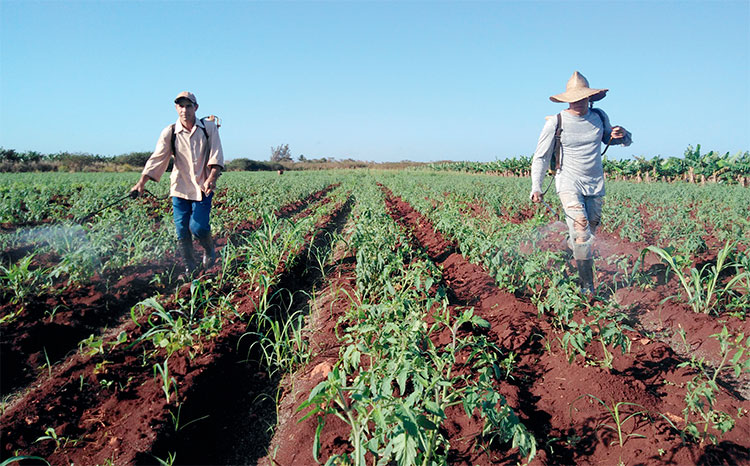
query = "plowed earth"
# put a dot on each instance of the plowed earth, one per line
(232, 406)
(650, 313)
(551, 395)
(114, 409)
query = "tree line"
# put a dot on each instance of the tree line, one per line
(693, 167)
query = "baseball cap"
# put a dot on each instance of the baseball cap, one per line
(186, 95)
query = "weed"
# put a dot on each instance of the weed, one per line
(176, 419)
(281, 343)
(47, 363)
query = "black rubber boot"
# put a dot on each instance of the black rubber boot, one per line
(186, 249)
(209, 251)
(586, 272)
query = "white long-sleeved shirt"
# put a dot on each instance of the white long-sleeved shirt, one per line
(581, 141)
(192, 159)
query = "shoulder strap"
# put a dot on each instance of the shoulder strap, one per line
(599, 112)
(205, 133)
(556, 162)
(174, 135)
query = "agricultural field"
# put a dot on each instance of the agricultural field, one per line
(372, 317)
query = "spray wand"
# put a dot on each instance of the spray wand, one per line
(130, 195)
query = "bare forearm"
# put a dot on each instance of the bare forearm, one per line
(215, 173)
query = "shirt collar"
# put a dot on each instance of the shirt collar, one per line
(178, 125)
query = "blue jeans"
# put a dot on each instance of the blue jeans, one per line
(192, 216)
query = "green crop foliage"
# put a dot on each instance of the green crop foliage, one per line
(703, 287)
(19, 280)
(700, 412)
(392, 384)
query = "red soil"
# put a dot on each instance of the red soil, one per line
(550, 394)
(110, 407)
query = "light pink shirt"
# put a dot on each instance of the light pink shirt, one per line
(194, 155)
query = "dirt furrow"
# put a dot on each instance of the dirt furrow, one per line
(555, 397)
(120, 419)
(50, 326)
(236, 394)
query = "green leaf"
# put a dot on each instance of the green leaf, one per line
(316, 443)
(401, 379)
(405, 448)
(480, 322)
(433, 408)
(424, 422)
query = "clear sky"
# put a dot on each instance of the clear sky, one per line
(380, 81)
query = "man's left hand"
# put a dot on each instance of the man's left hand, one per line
(618, 132)
(209, 186)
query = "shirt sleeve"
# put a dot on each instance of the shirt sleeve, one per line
(215, 151)
(606, 136)
(543, 154)
(157, 164)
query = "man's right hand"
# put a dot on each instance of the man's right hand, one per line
(536, 197)
(138, 188)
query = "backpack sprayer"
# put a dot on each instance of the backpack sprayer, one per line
(134, 194)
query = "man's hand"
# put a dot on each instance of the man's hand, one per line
(536, 197)
(138, 188)
(209, 185)
(618, 132)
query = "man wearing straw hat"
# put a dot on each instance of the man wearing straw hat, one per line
(198, 161)
(574, 138)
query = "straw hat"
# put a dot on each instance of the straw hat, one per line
(578, 89)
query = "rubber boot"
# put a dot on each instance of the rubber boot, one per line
(186, 248)
(586, 272)
(209, 251)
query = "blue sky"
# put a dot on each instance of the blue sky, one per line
(380, 81)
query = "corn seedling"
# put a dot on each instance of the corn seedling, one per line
(16, 459)
(60, 441)
(618, 417)
(702, 286)
(19, 280)
(171, 458)
(161, 372)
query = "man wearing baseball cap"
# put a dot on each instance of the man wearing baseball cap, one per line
(198, 162)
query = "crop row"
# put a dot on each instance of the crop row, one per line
(708, 410)
(455, 312)
(542, 276)
(167, 340)
(405, 357)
